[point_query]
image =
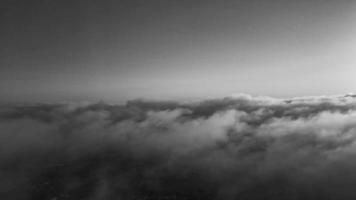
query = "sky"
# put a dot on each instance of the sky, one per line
(114, 51)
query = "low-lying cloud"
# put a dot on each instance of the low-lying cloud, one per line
(239, 147)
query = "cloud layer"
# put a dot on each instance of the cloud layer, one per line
(239, 147)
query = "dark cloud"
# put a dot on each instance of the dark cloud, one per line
(239, 147)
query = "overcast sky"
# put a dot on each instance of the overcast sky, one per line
(119, 50)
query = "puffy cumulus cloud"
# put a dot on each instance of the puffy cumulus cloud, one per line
(239, 147)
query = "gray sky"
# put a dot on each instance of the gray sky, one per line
(119, 50)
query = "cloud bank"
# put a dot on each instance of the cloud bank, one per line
(239, 147)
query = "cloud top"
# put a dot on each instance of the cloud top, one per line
(238, 147)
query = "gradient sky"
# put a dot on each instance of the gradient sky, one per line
(61, 50)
